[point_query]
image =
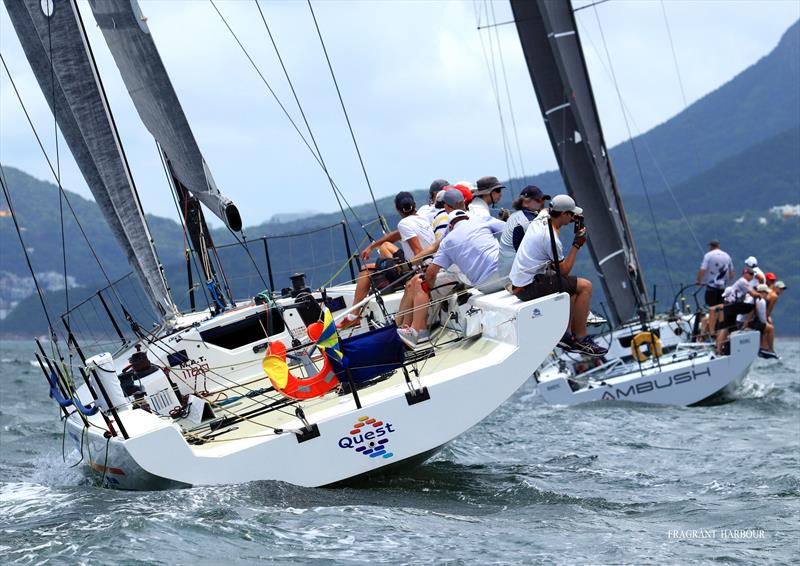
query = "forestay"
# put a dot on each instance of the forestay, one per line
(552, 48)
(55, 43)
(128, 37)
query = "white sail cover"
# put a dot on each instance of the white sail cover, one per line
(128, 37)
(60, 56)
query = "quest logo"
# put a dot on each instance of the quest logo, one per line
(369, 437)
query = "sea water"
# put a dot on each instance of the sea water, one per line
(600, 483)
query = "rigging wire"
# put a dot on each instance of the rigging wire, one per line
(27, 257)
(674, 56)
(344, 110)
(58, 162)
(680, 78)
(508, 94)
(493, 80)
(510, 165)
(126, 166)
(55, 175)
(647, 147)
(243, 243)
(318, 153)
(635, 154)
(181, 218)
(317, 158)
(592, 5)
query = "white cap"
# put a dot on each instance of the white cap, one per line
(762, 288)
(563, 203)
(751, 261)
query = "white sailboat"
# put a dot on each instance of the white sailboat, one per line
(241, 391)
(650, 359)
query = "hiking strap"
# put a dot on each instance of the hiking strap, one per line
(555, 255)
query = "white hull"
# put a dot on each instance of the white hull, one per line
(685, 377)
(466, 381)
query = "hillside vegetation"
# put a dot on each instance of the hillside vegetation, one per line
(728, 158)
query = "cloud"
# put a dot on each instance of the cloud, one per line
(413, 77)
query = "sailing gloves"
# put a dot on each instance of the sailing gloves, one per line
(580, 238)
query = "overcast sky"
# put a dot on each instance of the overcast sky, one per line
(414, 79)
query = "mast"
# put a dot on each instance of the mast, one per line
(548, 33)
(125, 30)
(60, 56)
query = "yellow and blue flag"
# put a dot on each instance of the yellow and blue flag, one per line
(327, 338)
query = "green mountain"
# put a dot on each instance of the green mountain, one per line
(757, 104)
(321, 254)
(762, 176)
(730, 156)
(39, 212)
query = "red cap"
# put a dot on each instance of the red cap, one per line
(464, 191)
(770, 276)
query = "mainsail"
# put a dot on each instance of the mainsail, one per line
(128, 37)
(55, 43)
(549, 36)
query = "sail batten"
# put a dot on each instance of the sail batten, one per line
(58, 51)
(128, 37)
(548, 33)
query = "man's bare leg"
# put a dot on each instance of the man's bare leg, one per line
(722, 336)
(768, 338)
(421, 303)
(362, 286)
(580, 310)
(387, 250)
(404, 313)
(571, 324)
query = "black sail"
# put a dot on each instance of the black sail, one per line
(549, 36)
(58, 51)
(128, 37)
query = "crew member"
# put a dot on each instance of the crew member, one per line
(533, 271)
(733, 307)
(472, 247)
(716, 272)
(752, 263)
(527, 205)
(758, 320)
(428, 210)
(775, 292)
(414, 234)
(453, 206)
(488, 193)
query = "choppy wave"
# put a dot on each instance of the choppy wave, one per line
(533, 483)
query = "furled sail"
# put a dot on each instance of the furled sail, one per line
(549, 36)
(55, 43)
(128, 37)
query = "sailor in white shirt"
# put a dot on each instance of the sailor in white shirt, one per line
(528, 205)
(759, 320)
(474, 249)
(531, 278)
(752, 263)
(736, 304)
(716, 271)
(489, 192)
(414, 234)
(429, 210)
(470, 245)
(440, 218)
